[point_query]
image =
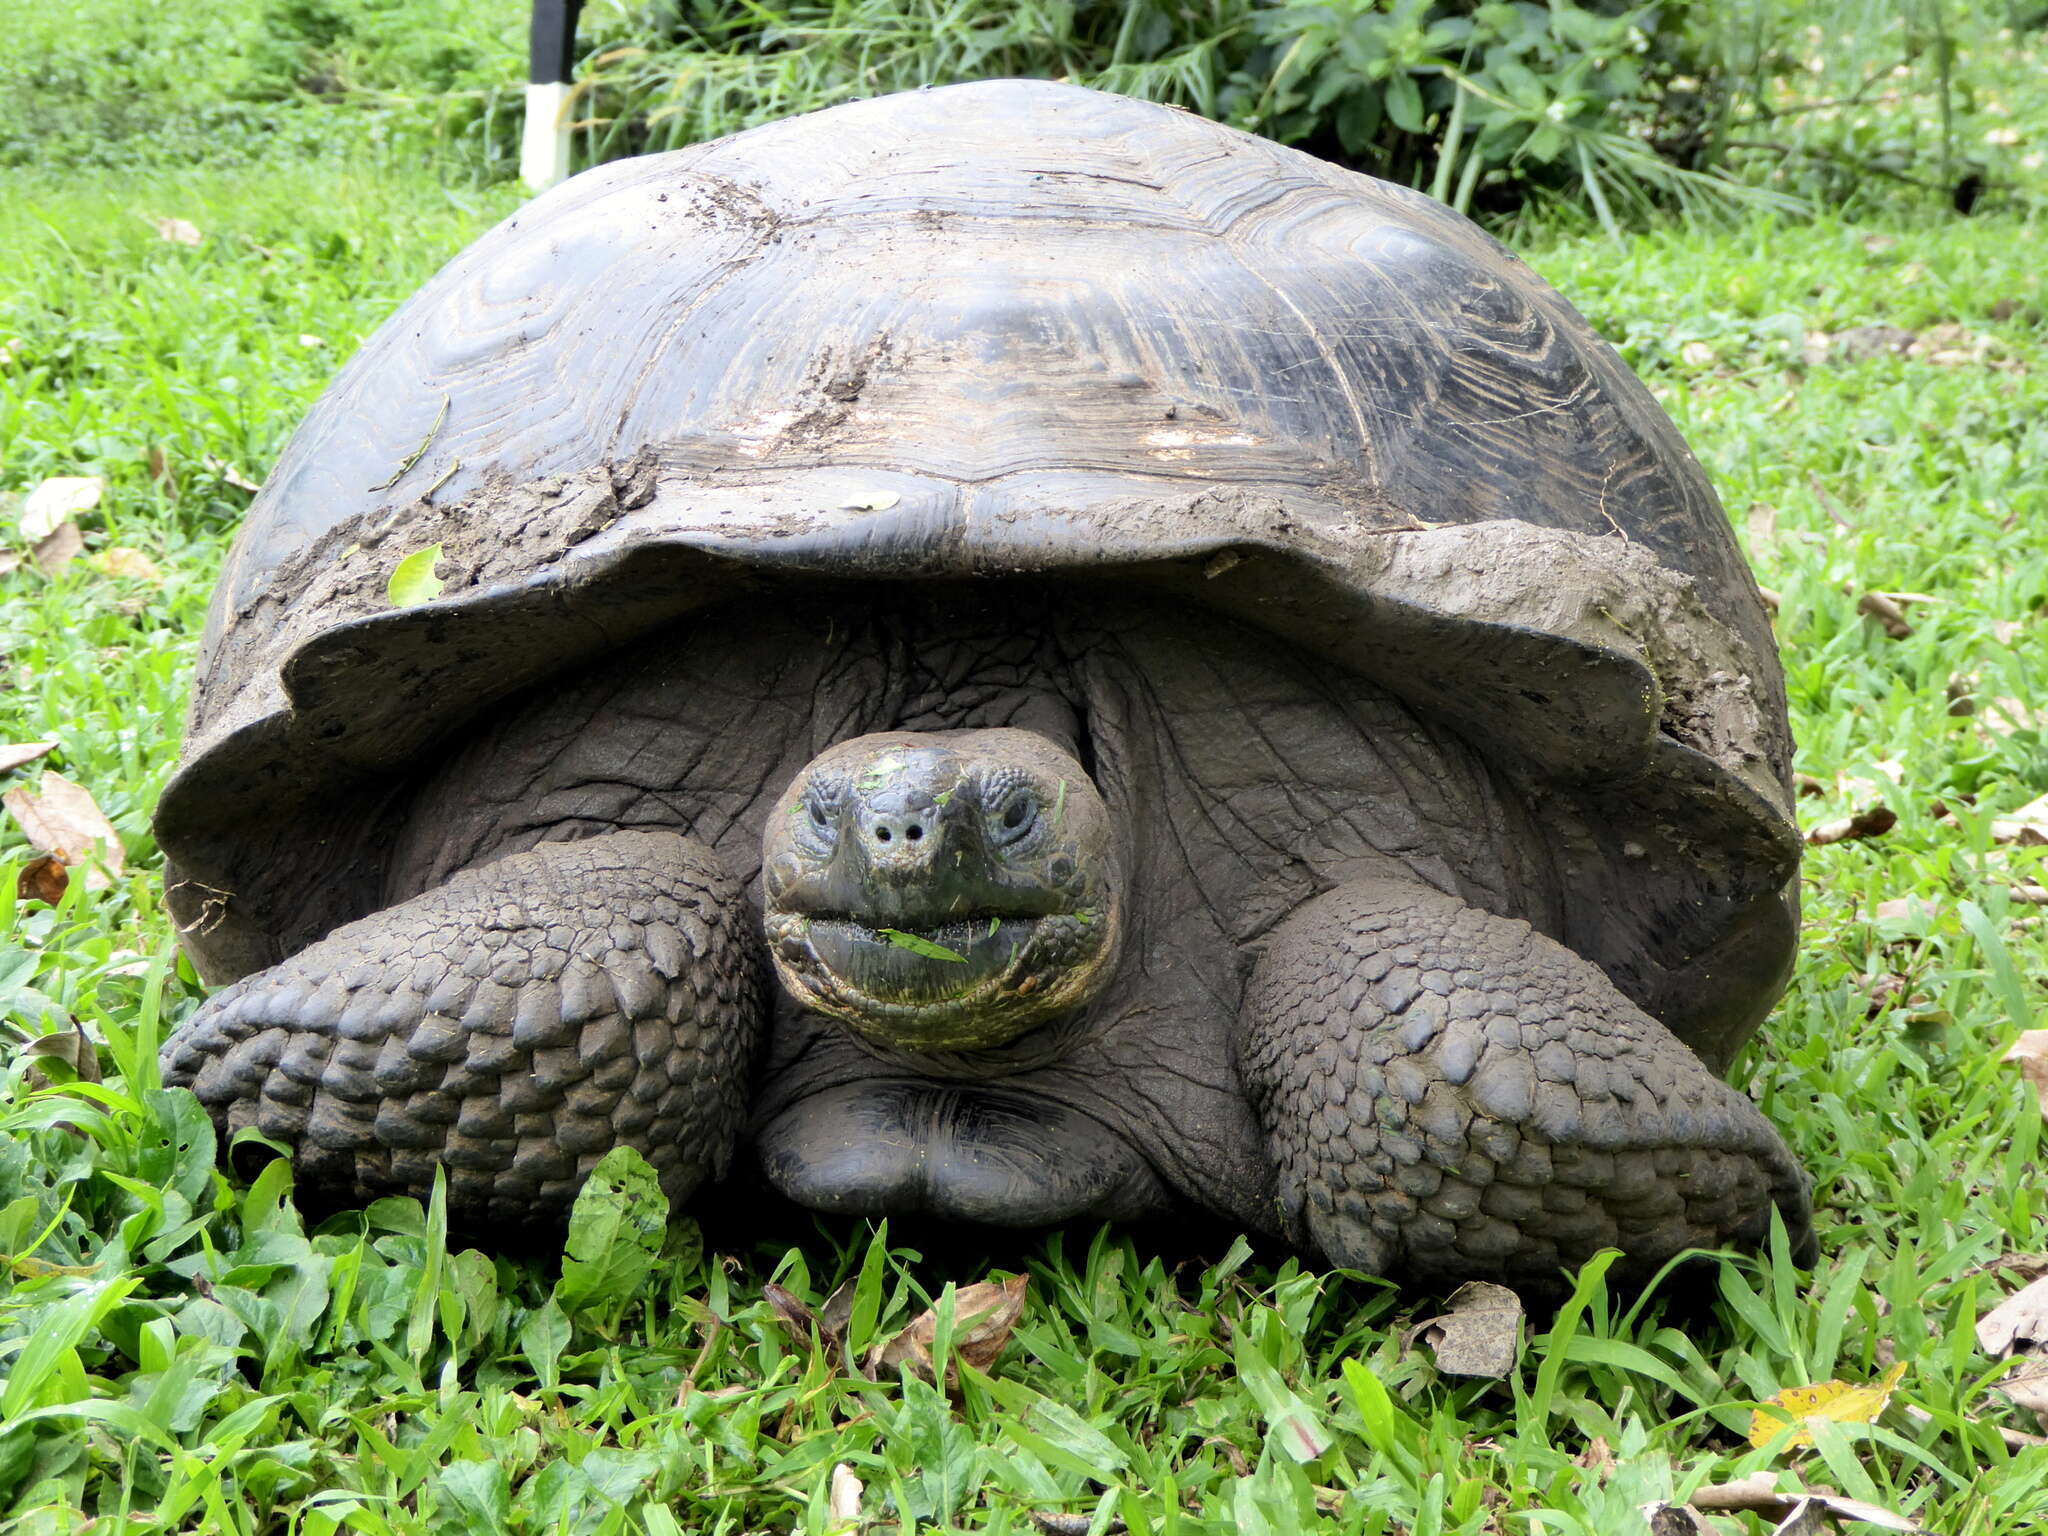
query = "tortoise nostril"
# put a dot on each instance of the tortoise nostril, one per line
(881, 834)
(913, 832)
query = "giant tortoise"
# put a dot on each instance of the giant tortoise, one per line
(1010, 654)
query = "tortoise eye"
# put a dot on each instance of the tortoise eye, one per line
(1018, 815)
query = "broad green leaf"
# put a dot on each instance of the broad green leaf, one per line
(482, 1490)
(1404, 102)
(615, 1234)
(413, 580)
(177, 1146)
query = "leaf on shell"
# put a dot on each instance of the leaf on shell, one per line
(2030, 1054)
(56, 501)
(63, 819)
(918, 944)
(413, 581)
(879, 501)
(2021, 1319)
(1479, 1333)
(1839, 1402)
(983, 1316)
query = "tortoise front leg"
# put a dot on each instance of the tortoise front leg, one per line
(1447, 1093)
(511, 1026)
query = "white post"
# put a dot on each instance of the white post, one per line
(544, 146)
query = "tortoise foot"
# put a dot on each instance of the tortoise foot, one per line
(510, 1026)
(1448, 1094)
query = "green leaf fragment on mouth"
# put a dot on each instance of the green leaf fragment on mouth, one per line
(917, 944)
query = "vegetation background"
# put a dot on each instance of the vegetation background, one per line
(1812, 227)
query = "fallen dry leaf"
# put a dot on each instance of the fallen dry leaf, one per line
(59, 549)
(2019, 1320)
(1890, 616)
(178, 231)
(159, 465)
(1803, 1520)
(844, 1500)
(72, 1049)
(64, 819)
(1839, 1402)
(1758, 1494)
(1860, 343)
(983, 1315)
(1873, 821)
(128, 564)
(1479, 1334)
(230, 475)
(56, 501)
(44, 878)
(2030, 1054)
(2028, 1386)
(14, 754)
(2003, 716)
(2027, 827)
(1904, 909)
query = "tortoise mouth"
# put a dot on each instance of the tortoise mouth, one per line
(912, 960)
(969, 982)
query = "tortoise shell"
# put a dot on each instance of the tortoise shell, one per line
(1000, 329)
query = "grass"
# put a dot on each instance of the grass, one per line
(182, 1353)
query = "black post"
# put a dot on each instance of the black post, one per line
(551, 42)
(550, 53)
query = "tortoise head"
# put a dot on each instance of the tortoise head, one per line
(942, 890)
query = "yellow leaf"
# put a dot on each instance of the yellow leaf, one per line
(1836, 1401)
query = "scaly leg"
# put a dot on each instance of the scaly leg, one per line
(1448, 1094)
(511, 1026)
